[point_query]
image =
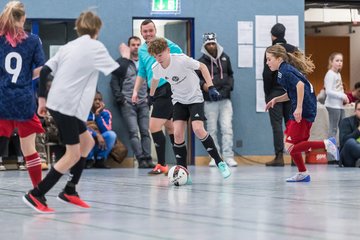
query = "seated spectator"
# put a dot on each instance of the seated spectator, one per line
(100, 124)
(354, 95)
(350, 139)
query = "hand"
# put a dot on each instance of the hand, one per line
(100, 109)
(298, 114)
(101, 142)
(151, 100)
(121, 101)
(134, 98)
(124, 51)
(214, 95)
(42, 107)
(270, 104)
(346, 100)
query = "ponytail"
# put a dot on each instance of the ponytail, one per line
(12, 14)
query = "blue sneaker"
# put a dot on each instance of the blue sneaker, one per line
(224, 169)
(299, 177)
(331, 148)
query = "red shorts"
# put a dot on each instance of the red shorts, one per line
(297, 132)
(25, 128)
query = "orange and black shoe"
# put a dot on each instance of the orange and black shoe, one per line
(159, 169)
(37, 203)
(73, 199)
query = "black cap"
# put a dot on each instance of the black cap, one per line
(278, 30)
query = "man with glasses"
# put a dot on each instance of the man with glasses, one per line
(350, 139)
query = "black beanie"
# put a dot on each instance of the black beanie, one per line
(278, 30)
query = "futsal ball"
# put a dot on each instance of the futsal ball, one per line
(178, 175)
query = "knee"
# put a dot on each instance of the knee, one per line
(179, 137)
(199, 131)
(133, 134)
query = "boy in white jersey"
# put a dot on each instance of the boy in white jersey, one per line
(187, 98)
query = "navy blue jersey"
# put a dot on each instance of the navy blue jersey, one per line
(288, 78)
(16, 69)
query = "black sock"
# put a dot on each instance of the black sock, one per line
(159, 141)
(172, 140)
(47, 183)
(210, 147)
(180, 154)
(74, 176)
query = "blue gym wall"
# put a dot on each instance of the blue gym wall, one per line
(210, 16)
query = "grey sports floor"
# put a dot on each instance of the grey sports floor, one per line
(255, 203)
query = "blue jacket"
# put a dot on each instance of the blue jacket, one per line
(103, 121)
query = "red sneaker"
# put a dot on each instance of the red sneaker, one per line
(73, 199)
(37, 203)
(159, 169)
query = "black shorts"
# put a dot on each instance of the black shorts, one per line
(162, 105)
(70, 128)
(193, 111)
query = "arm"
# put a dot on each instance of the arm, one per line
(300, 99)
(329, 89)
(206, 75)
(117, 80)
(44, 78)
(154, 84)
(103, 120)
(281, 98)
(138, 83)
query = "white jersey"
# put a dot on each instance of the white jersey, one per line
(76, 69)
(185, 83)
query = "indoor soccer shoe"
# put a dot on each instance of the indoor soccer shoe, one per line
(299, 177)
(37, 203)
(224, 169)
(158, 169)
(330, 146)
(73, 199)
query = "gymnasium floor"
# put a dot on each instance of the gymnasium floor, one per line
(255, 203)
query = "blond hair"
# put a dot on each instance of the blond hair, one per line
(297, 59)
(332, 57)
(12, 14)
(88, 23)
(157, 46)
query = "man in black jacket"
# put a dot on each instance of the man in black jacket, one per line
(219, 66)
(350, 139)
(136, 116)
(273, 89)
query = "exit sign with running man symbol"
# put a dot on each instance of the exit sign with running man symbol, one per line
(165, 6)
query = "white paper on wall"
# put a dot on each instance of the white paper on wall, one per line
(259, 62)
(291, 24)
(262, 30)
(245, 56)
(260, 96)
(245, 32)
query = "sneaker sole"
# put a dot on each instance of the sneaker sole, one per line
(73, 204)
(32, 206)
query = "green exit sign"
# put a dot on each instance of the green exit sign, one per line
(165, 5)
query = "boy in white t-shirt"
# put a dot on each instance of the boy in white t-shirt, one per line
(187, 98)
(75, 68)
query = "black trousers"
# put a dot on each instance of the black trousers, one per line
(278, 114)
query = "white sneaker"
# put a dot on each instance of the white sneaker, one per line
(231, 162)
(330, 146)
(2, 167)
(21, 167)
(299, 177)
(212, 163)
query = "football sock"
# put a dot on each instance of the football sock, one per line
(210, 147)
(47, 183)
(33, 164)
(180, 154)
(159, 141)
(74, 175)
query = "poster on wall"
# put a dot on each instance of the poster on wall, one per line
(262, 30)
(291, 24)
